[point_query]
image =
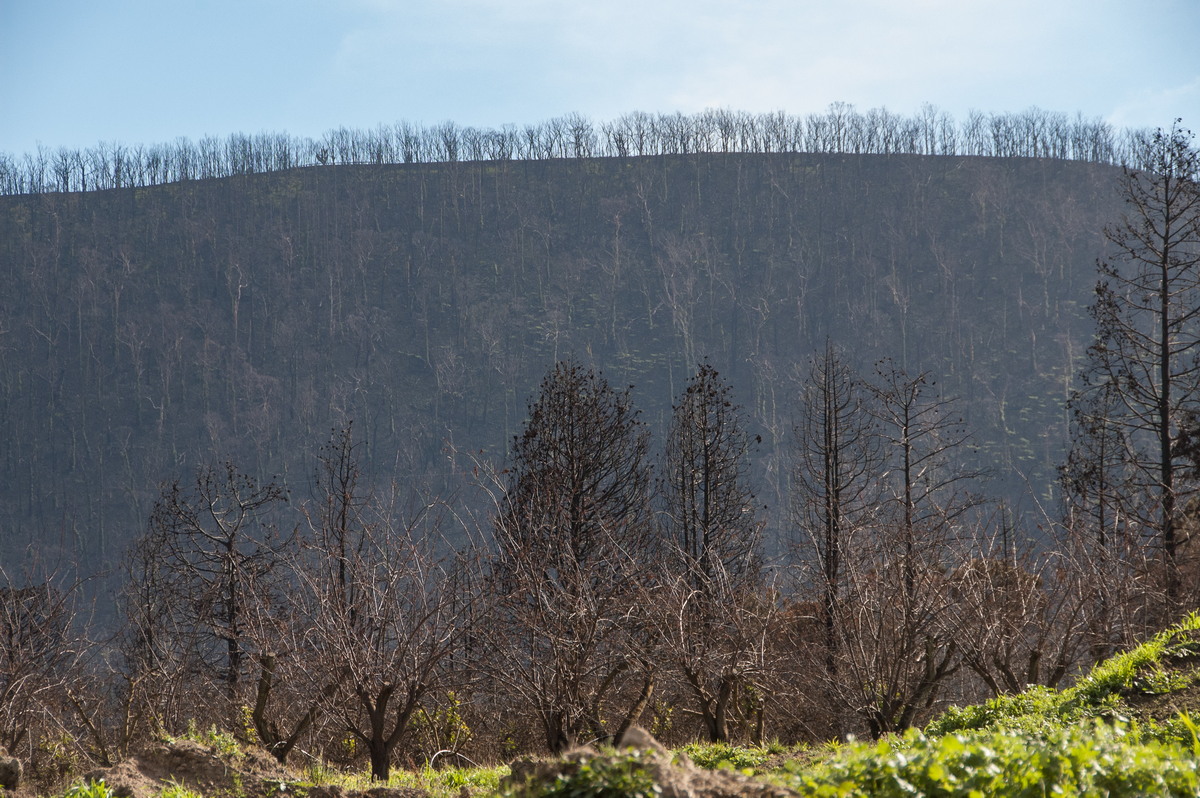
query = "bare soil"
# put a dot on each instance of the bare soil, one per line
(1180, 669)
(250, 774)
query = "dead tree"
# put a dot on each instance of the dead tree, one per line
(838, 462)
(573, 533)
(220, 556)
(382, 654)
(711, 619)
(1147, 347)
(383, 600)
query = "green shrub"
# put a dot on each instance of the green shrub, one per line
(1121, 673)
(444, 729)
(222, 742)
(57, 760)
(1037, 707)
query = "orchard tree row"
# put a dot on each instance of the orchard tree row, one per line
(841, 129)
(604, 584)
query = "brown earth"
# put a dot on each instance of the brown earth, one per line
(1173, 687)
(251, 774)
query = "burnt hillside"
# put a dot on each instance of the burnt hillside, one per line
(146, 330)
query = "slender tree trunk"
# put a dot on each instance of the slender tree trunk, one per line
(639, 706)
(1166, 459)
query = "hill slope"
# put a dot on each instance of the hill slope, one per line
(148, 330)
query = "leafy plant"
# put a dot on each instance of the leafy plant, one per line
(176, 789)
(1118, 673)
(1087, 759)
(222, 742)
(95, 788)
(662, 717)
(712, 756)
(443, 729)
(1097, 695)
(1157, 681)
(1185, 723)
(452, 780)
(59, 757)
(1035, 707)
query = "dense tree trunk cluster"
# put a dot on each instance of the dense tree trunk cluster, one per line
(840, 130)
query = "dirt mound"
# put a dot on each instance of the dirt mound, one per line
(251, 773)
(674, 776)
(198, 768)
(377, 792)
(1169, 685)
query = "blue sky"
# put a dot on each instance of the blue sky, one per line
(77, 72)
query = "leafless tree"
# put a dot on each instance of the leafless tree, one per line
(900, 650)
(709, 507)
(896, 653)
(1145, 363)
(836, 479)
(1020, 609)
(927, 472)
(151, 660)
(218, 553)
(40, 647)
(573, 534)
(384, 601)
(712, 584)
(1099, 533)
(386, 646)
(840, 129)
(883, 494)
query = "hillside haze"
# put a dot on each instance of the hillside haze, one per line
(146, 331)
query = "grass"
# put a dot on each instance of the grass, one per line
(620, 774)
(219, 742)
(438, 782)
(1086, 740)
(174, 789)
(1090, 739)
(448, 782)
(723, 755)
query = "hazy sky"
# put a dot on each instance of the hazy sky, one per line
(77, 72)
